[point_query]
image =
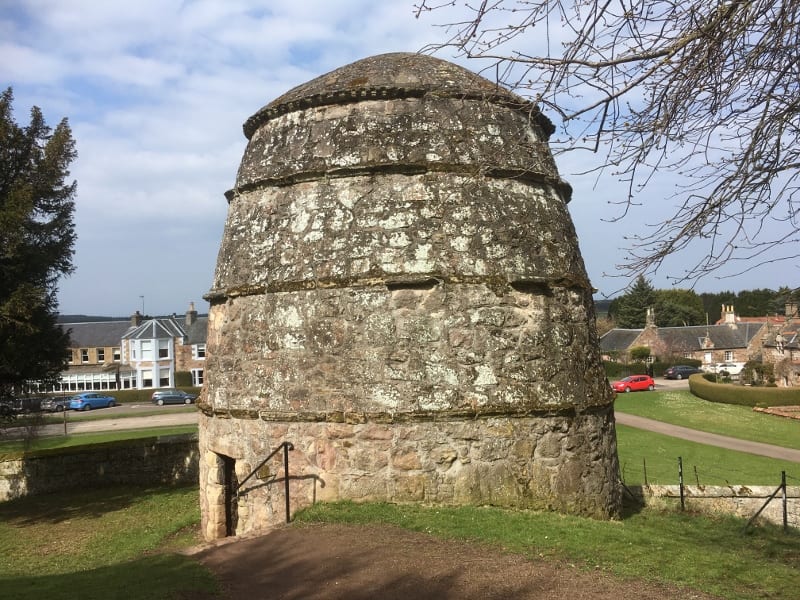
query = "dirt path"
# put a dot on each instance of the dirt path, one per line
(328, 562)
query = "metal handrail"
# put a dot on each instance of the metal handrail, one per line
(286, 447)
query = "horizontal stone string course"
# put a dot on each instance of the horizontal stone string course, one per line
(393, 417)
(498, 285)
(356, 95)
(523, 175)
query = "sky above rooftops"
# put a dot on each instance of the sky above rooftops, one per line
(156, 92)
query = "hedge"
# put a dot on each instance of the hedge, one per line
(742, 395)
(128, 396)
(617, 370)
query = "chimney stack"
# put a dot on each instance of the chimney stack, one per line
(191, 314)
(136, 319)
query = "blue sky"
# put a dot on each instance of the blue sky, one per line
(156, 92)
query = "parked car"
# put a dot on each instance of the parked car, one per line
(681, 372)
(55, 404)
(172, 396)
(634, 383)
(28, 405)
(731, 368)
(90, 400)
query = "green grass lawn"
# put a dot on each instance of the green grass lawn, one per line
(106, 543)
(680, 407)
(81, 439)
(643, 451)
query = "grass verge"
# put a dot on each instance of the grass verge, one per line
(104, 543)
(680, 407)
(657, 455)
(83, 439)
(699, 552)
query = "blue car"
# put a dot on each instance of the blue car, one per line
(90, 400)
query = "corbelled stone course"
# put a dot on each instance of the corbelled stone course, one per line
(400, 294)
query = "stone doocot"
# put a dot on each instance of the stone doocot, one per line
(400, 294)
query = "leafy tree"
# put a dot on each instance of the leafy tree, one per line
(706, 89)
(37, 235)
(629, 311)
(713, 301)
(678, 308)
(756, 303)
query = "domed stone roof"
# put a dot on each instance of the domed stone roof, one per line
(393, 75)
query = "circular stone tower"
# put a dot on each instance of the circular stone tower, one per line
(400, 295)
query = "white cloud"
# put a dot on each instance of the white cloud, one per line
(156, 92)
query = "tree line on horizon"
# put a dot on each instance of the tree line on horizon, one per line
(685, 307)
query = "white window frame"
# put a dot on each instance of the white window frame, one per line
(198, 377)
(199, 351)
(728, 355)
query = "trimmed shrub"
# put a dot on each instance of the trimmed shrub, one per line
(129, 396)
(616, 370)
(183, 379)
(742, 395)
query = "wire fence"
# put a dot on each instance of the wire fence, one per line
(777, 501)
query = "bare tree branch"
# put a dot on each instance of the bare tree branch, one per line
(706, 90)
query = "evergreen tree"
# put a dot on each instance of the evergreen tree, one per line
(37, 235)
(629, 311)
(678, 308)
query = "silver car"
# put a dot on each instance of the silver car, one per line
(172, 396)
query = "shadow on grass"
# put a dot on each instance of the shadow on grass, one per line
(63, 506)
(166, 576)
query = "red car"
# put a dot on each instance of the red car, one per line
(634, 383)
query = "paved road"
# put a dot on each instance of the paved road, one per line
(74, 425)
(712, 439)
(189, 417)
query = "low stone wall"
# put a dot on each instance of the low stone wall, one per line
(739, 500)
(148, 461)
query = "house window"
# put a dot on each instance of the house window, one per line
(116, 355)
(163, 378)
(708, 357)
(728, 355)
(84, 355)
(163, 349)
(147, 378)
(687, 355)
(199, 351)
(101, 354)
(146, 346)
(197, 377)
(69, 356)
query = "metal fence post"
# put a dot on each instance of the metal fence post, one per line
(680, 481)
(785, 515)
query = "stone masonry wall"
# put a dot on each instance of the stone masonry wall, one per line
(521, 462)
(171, 460)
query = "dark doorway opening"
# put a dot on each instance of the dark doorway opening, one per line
(231, 501)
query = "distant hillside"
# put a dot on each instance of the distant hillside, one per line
(601, 306)
(98, 319)
(87, 318)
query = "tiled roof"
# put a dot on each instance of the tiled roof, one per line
(618, 339)
(100, 334)
(686, 338)
(197, 332)
(156, 329)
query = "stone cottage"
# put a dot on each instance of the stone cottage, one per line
(399, 294)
